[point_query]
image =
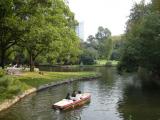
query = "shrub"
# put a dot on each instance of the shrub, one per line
(87, 60)
(2, 89)
(4, 82)
(2, 73)
(9, 87)
(13, 89)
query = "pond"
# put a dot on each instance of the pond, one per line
(114, 97)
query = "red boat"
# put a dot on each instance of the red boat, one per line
(66, 104)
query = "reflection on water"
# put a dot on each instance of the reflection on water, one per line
(67, 68)
(114, 97)
(140, 100)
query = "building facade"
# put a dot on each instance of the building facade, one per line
(80, 30)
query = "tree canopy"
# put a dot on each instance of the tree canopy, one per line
(43, 28)
(97, 47)
(142, 41)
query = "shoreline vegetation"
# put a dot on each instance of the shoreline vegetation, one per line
(14, 88)
(99, 63)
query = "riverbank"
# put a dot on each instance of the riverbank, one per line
(98, 63)
(17, 87)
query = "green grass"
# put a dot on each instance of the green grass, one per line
(101, 62)
(35, 79)
(112, 62)
(14, 85)
(10, 87)
(107, 62)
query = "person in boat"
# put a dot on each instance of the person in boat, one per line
(74, 94)
(79, 92)
(78, 95)
(68, 97)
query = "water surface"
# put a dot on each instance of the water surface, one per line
(114, 97)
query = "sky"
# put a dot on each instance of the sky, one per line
(111, 14)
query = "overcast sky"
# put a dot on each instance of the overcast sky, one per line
(112, 14)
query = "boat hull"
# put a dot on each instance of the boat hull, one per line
(74, 104)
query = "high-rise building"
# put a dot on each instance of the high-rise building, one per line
(80, 30)
(66, 2)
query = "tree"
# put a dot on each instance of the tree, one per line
(129, 59)
(92, 42)
(90, 39)
(41, 27)
(49, 29)
(118, 43)
(11, 26)
(156, 5)
(98, 46)
(142, 44)
(149, 41)
(108, 48)
(104, 42)
(70, 50)
(102, 33)
(88, 56)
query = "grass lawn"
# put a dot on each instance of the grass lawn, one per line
(14, 85)
(35, 79)
(101, 62)
(112, 62)
(107, 62)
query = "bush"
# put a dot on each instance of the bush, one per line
(4, 82)
(13, 89)
(2, 89)
(87, 60)
(9, 87)
(2, 73)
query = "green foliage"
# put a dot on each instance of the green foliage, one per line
(142, 42)
(2, 72)
(42, 28)
(98, 47)
(89, 56)
(101, 62)
(89, 53)
(104, 42)
(10, 87)
(11, 26)
(118, 43)
(4, 82)
(102, 33)
(156, 5)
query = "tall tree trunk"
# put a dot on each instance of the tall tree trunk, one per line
(31, 63)
(3, 58)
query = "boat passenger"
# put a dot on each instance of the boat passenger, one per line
(74, 94)
(68, 97)
(78, 95)
(79, 92)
